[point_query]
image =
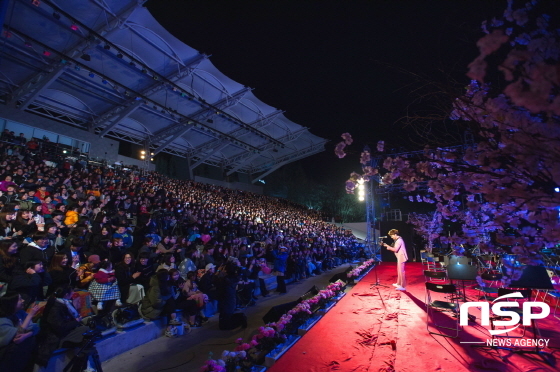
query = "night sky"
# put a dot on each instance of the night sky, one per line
(334, 66)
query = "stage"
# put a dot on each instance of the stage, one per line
(382, 329)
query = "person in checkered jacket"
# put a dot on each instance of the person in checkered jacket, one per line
(104, 286)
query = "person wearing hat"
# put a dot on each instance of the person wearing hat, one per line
(94, 259)
(207, 283)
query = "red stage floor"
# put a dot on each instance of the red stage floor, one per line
(364, 333)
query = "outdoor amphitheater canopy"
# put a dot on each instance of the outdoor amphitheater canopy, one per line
(109, 67)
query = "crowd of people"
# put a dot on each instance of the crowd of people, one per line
(71, 233)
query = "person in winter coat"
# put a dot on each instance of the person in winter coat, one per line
(160, 300)
(38, 250)
(30, 281)
(8, 263)
(61, 273)
(72, 216)
(124, 271)
(280, 265)
(17, 334)
(8, 196)
(60, 325)
(7, 183)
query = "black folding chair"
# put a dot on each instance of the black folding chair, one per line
(441, 298)
(488, 292)
(525, 295)
(435, 276)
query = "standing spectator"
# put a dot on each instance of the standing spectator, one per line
(21, 140)
(229, 319)
(280, 265)
(33, 144)
(5, 136)
(263, 272)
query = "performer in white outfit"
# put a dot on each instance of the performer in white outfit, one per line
(400, 251)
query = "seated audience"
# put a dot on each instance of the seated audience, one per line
(17, 334)
(203, 229)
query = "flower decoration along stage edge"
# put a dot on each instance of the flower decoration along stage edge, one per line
(247, 355)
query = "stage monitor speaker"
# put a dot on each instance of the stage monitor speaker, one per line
(340, 276)
(274, 314)
(310, 293)
(405, 231)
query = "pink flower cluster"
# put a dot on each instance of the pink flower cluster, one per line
(354, 273)
(271, 330)
(339, 149)
(212, 365)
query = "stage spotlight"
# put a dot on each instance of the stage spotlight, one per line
(119, 55)
(86, 57)
(106, 47)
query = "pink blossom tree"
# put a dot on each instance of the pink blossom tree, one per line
(506, 183)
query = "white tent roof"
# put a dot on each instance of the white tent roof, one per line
(109, 67)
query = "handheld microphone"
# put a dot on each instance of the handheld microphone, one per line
(383, 237)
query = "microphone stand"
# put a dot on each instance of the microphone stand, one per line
(377, 284)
